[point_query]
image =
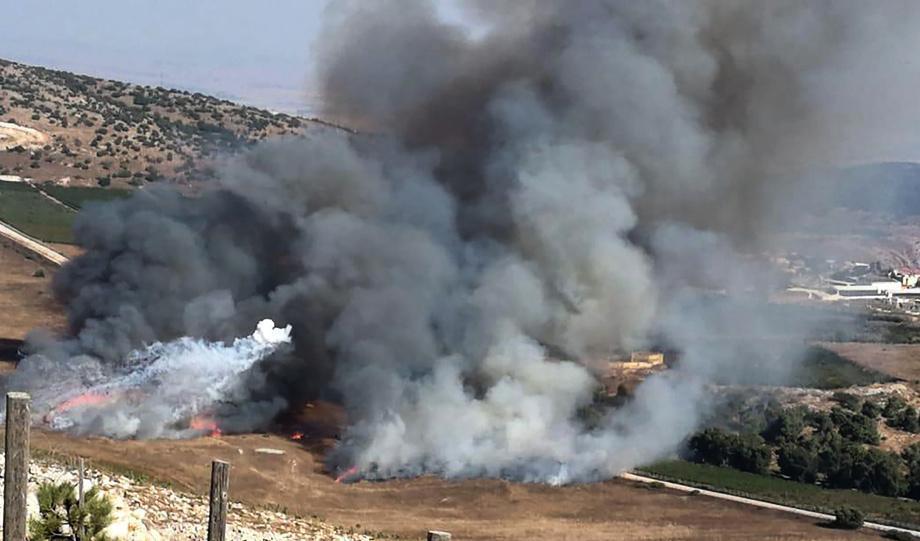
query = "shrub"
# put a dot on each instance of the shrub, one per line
(898, 536)
(61, 517)
(848, 518)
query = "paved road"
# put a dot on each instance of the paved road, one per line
(758, 503)
(33, 245)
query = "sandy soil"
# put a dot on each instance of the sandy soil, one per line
(899, 360)
(25, 300)
(12, 135)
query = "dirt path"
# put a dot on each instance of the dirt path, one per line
(13, 135)
(759, 503)
(34, 246)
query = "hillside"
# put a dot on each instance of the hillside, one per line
(57, 125)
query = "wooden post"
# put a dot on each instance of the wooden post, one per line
(16, 466)
(435, 535)
(220, 487)
(80, 476)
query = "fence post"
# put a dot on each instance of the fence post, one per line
(80, 475)
(220, 487)
(16, 466)
(434, 535)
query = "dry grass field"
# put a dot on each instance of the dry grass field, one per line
(901, 361)
(473, 510)
(26, 301)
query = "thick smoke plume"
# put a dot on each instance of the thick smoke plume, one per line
(554, 188)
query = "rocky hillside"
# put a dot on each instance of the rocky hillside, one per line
(146, 512)
(57, 125)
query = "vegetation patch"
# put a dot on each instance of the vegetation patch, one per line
(824, 369)
(78, 196)
(786, 492)
(26, 209)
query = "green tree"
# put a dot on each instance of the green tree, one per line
(710, 446)
(786, 426)
(905, 420)
(871, 409)
(911, 457)
(61, 517)
(869, 470)
(748, 452)
(855, 426)
(798, 462)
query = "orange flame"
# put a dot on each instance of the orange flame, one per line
(346, 474)
(203, 423)
(85, 399)
(297, 436)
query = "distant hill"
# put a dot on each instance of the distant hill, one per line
(889, 187)
(55, 124)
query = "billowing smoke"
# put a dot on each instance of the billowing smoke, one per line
(557, 186)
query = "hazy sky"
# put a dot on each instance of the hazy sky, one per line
(257, 52)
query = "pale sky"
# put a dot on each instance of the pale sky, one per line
(249, 51)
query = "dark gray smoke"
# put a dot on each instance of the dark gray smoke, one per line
(567, 179)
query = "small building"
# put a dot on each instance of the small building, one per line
(908, 276)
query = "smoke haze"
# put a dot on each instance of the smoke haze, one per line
(568, 181)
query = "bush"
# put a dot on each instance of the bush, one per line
(61, 517)
(847, 518)
(898, 536)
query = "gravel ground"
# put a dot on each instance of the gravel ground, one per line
(144, 512)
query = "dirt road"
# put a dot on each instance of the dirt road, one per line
(32, 245)
(758, 503)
